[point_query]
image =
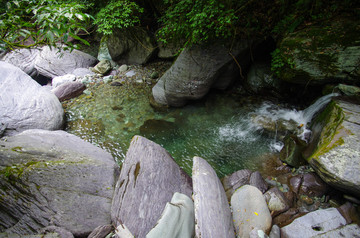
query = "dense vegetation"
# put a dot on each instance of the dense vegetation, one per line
(27, 23)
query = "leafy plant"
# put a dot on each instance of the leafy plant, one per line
(118, 14)
(197, 21)
(279, 61)
(28, 23)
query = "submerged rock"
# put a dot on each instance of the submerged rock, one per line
(212, 212)
(335, 149)
(24, 104)
(250, 211)
(195, 71)
(54, 178)
(148, 180)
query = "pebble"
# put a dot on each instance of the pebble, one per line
(123, 68)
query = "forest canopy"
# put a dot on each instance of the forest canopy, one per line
(28, 23)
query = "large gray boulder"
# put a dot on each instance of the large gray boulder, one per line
(24, 59)
(24, 104)
(250, 211)
(335, 149)
(131, 46)
(54, 178)
(196, 70)
(314, 223)
(52, 62)
(148, 180)
(212, 212)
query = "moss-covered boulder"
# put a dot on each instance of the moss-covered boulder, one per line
(334, 150)
(320, 54)
(52, 178)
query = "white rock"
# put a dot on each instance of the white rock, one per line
(57, 81)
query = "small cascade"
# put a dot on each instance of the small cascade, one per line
(293, 119)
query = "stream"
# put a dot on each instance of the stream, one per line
(220, 128)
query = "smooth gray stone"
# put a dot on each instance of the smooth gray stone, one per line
(53, 177)
(235, 181)
(275, 232)
(257, 180)
(212, 212)
(276, 201)
(149, 178)
(59, 80)
(24, 59)
(177, 219)
(249, 210)
(24, 104)
(51, 63)
(69, 90)
(196, 71)
(314, 223)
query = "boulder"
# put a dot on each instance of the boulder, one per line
(235, 181)
(131, 46)
(57, 81)
(148, 180)
(260, 79)
(212, 212)
(314, 223)
(335, 149)
(168, 51)
(321, 53)
(51, 62)
(196, 70)
(257, 181)
(23, 59)
(250, 211)
(276, 201)
(69, 90)
(24, 104)
(177, 219)
(81, 72)
(103, 67)
(54, 178)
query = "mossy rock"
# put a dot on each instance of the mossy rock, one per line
(320, 54)
(334, 151)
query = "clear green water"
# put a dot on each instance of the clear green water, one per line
(217, 128)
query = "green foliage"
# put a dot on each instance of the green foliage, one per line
(279, 61)
(28, 23)
(197, 21)
(117, 14)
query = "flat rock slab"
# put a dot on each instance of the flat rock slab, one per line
(352, 230)
(250, 211)
(148, 180)
(54, 178)
(314, 223)
(212, 212)
(24, 104)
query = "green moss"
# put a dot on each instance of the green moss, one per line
(332, 133)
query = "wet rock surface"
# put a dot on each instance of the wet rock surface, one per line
(54, 178)
(138, 202)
